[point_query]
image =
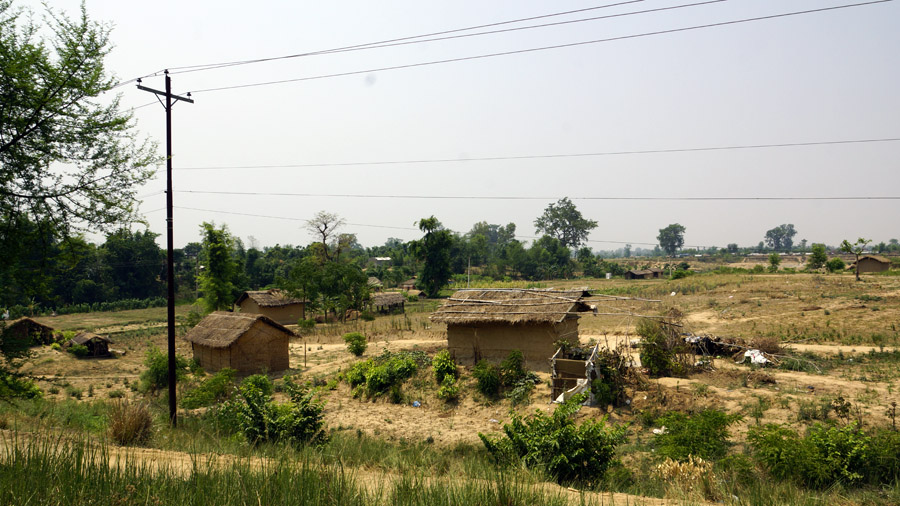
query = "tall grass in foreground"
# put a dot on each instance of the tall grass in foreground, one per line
(46, 471)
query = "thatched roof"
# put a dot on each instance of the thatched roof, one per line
(642, 272)
(877, 258)
(222, 329)
(83, 337)
(484, 305)
(411, 282)
(28, 321)
(373, 281)
(268, 298)
(388, 298)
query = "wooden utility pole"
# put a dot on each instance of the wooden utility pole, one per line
(170, 270)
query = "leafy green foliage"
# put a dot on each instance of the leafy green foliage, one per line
(703, 434)
(671, 238)
(443, 365)
(262, 420)
(434, 249)
(512, 368)
(14, 385)
(449, 389)
(563, 221)
(79, 350)
(836, 264)
(662, 350)
(213, 389)
(856, 249)
(220, 267)
(827, 454)
(570, 453)
(487, 376)
(356, 343)
(817, 258)
(156, 375)
(385, 373)
(781, 238)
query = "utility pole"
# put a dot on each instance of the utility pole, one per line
(170, 269)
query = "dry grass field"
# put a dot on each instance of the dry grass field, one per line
(842, 334)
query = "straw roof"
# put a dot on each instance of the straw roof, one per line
(877, 258)
(84, 337)
(373, 281)
(479, 305)
(388, 298)
(28, 321)
(222, 329)
(268, 298)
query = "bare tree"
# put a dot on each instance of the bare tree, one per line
(324, 226)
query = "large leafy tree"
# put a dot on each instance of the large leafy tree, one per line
(69, 158)
(671, 238)
(781, 238)
(135, 264)
(564, 221)
(220, 268)
(434, 249)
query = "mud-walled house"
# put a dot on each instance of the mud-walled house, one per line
(274, 304)
(247, 343)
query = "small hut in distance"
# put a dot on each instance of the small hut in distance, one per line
(247, 343)
(97, 346)
(388, 302)
(26, 332)
(871, 263)
(489, 323)
(274, 304)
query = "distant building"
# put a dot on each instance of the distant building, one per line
(273, 304)
(486, 323)
(872, 263)
(247, 343)
(644, 274)
(379, 261)
(409, 284)
(26, 332)
(375, 284)
(388, 302)
(97, 345)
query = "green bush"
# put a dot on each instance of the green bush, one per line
(79, 350)
(14, 385)
(192, 319)
(262, 420)
(443, 365)
(356, 343)
(356, 375)
(449, 390)
(520, 393)
(680, 274)
(703, 434)
(55, 346)
(156, 375)
(487, 376)
(656, 354)
(307, 324)
(512, 368)
(213, 389)
(389, 370)
(570, 453)
(826, 455)
(835, 265)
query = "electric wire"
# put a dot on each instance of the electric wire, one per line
(536, 49)
(546, 156)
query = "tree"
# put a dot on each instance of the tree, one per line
(66, 159)
(818, 257)
(774, 262)
(781, 238)
(220, 267)
(325, 225)
(856, 249)
(732, 248)
(671, 238)
(434, 250)
(134, 263)
(563, 221)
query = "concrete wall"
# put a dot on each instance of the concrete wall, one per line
(285, 315)
(470, 343)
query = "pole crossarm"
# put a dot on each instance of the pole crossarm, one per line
(173, 97)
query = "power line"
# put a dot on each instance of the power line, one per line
(516, 197)
(381, 43)
(543, 48)
(548, 156)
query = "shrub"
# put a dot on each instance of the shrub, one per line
(703, 434)
(14, 385)
(512, 368)
(449, 390)
(55, 346)
(156, 376)
(192, 319)
(79, 350)
(443, 365)
(568, 452)
(213, 389)
(307, 324)
(115, 394)
(387, 371)
(663, 352)
(521, 391)
(835, 265)
(260, 419)
(356, 375)
(130, 423)
(487, 376)
(680, 274)
(356, 343)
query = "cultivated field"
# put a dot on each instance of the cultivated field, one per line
(838, 366)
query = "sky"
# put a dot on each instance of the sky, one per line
(807, 78)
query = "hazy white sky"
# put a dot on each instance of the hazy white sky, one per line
(817, 77)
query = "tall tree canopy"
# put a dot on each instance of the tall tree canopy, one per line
(564, 221)
(69, 158)
(781, 238)
(434, 250)
(671, 238)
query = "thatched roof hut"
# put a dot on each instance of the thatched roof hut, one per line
(25, 332)
(489, 323)
(97, 345)
(272, 303)
(375, 284)
(872, 263)
(643, 274)
(248, 343)
(388, 302)
(409, 284)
